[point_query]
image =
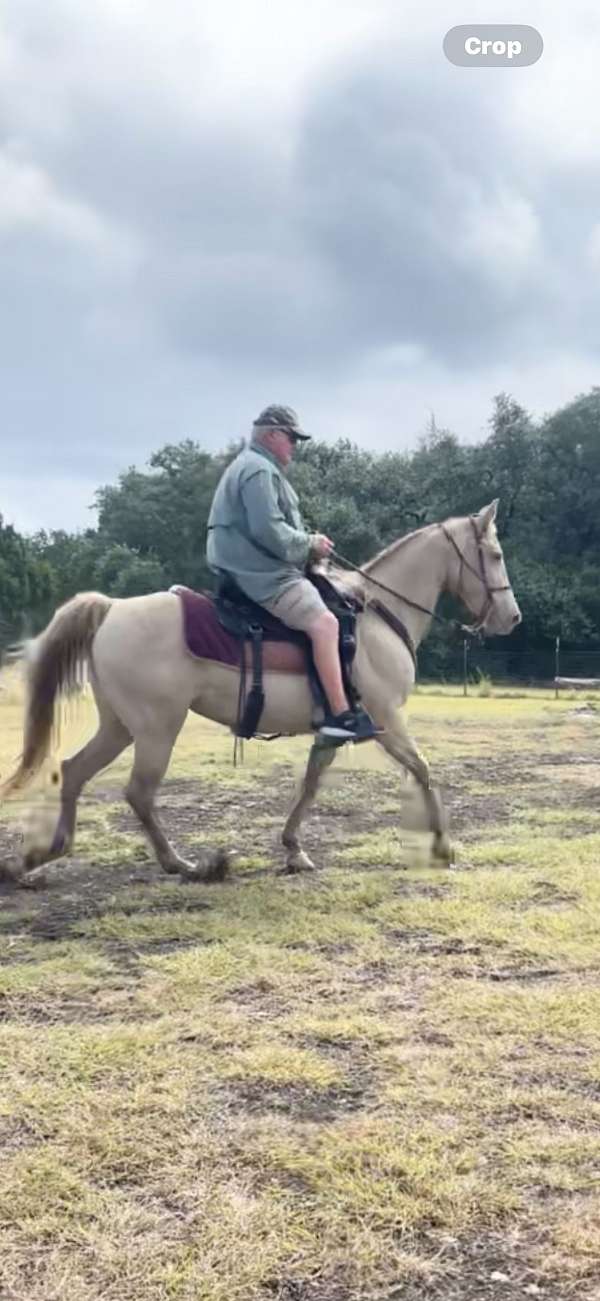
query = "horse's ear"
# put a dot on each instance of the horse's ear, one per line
(487, 516)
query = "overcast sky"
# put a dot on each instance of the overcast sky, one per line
(210, 205)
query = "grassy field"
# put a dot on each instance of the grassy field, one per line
(376, 1081)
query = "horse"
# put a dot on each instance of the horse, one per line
(145, 680)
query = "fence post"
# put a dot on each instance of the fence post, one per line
(556, 666)
(465, 658)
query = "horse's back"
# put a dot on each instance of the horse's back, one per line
(141, 664)
(138, 654)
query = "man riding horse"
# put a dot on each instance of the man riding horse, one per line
(257, 537)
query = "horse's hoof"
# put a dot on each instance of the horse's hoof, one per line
(38, 857)
(442, 851)
(178, 868)
(213, 868)
(218, 866)
(33, 880)
(299, 861)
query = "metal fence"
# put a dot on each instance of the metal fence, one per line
(473, 666)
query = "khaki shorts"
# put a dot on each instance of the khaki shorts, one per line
(299, 606)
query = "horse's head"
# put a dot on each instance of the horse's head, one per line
(477, 573)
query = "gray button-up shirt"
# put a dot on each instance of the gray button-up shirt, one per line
(255, 529)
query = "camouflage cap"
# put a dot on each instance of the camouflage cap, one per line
(285, 418)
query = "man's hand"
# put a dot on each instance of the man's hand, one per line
(321, 546)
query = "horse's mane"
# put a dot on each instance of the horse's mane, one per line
(356, 584)
(490, 534)
(394, 546)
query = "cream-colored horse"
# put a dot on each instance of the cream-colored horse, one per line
(145, 681)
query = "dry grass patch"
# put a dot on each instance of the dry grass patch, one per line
(376, 1081)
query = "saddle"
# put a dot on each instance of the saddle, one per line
(251, 623)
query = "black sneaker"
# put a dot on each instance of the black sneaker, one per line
(352, 725)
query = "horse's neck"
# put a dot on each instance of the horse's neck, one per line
(415, 569)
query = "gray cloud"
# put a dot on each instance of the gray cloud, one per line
(396, 244)
(412, 198)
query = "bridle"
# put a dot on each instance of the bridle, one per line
(479, 573)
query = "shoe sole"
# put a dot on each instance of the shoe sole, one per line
(338, 733)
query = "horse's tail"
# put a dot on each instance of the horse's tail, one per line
(55, 664)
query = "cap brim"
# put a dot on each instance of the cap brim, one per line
(301, 438)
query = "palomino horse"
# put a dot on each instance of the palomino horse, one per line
(145, 681)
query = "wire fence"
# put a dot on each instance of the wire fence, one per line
(474, 668)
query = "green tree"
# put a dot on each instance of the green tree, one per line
(506, 464)
(161, 515)
(120, 571)
(568, 479)
(25, 585)
(71, 559)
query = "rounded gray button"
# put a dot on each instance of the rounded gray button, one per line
(493, 45)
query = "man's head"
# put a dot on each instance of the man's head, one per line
(277, 428)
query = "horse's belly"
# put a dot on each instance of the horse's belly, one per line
(288, 699)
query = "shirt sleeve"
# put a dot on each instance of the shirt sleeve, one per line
(266, 523)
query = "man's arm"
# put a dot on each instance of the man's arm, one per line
(266, 523)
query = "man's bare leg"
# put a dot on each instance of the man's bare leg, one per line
(324, 636)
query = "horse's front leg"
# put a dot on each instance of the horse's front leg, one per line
(321, 756)
(397, 742)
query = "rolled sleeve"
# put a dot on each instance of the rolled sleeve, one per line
(266, 523)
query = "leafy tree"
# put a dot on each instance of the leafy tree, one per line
(123, 572)
(71, 559)
(162, 515)
(506, 465)
(25, 584)
(568, 478)
(152, 523)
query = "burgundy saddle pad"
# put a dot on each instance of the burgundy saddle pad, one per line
(207, 640)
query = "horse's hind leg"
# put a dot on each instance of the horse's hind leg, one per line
(152, 754)
(320, 757)
(110, 740)
(108, 743)
(153, 750)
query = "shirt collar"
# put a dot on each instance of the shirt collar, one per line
(264, 451)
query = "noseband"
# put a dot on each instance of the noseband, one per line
(479, 573)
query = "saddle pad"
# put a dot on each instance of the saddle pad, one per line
(206, 639)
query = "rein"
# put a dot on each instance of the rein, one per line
(390, 590)
(472, 629)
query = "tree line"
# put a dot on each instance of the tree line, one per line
(151, 524)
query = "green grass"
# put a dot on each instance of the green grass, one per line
(348, 1085)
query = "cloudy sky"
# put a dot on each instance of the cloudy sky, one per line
(210, 205)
